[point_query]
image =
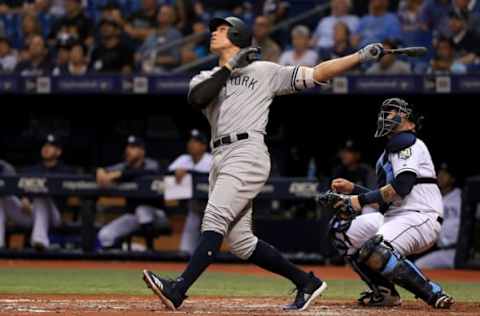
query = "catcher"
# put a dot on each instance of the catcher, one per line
(408, 220)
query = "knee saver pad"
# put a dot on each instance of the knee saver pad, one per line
(337, 233)
(242, 246)
(375, 254)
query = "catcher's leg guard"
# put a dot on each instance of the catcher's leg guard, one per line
(382, 291)
(380, 256)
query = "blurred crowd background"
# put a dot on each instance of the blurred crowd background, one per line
(78, 37)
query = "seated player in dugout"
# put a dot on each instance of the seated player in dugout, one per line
(12, 209)
(196, 159)
(409, 217)
(141, 213)
(45, 209)
(235, 96)
(352, 168)
(443, 255)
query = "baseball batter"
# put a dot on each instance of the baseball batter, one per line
(409, 218)
(236, 97)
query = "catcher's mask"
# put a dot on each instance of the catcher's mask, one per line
(386, 125)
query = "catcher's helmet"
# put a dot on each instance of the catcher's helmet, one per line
(239, 33)
(386, 125)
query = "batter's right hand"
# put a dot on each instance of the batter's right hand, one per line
(342, 186)
(244, 57)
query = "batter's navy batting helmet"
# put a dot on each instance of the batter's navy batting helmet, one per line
(386, 125)
(239, 33)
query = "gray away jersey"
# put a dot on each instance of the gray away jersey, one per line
(244, 102)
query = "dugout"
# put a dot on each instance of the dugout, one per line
(312, 124)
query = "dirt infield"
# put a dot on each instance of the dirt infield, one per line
(135, 306)
(115, 305)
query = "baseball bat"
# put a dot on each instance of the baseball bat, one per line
(408, 51)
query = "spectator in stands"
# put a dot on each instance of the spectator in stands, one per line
(444, 61)
(43, 8)
(196, 159)
(341, 43)
(443, 256)
(466, 7)
(465, 38)
(74, 18)
(377, 26)
(12, 208)
(389, 64)
(198, 47)
(77, 64)
(434, 15)
(37, 62)
(158, 62)
(112, 11)
(142, 23)
(261, 30)
(200, 12)
(112, 54)
(185, 16)
(57, 7)
(30, 28)
(63, 47)
(468, 10)
(275, 10)
(324, 33)
(300, 54)
(352, 168)
(44, 209)
(141, 213)
(8, 56)
(414, 31)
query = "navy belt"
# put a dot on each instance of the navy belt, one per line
(426, 181)
(228, 140)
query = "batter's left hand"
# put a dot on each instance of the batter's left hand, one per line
(243, 58)
(371, 52)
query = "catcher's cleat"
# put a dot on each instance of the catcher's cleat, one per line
(386, 298)
(164, 289)
(307, 294)
(442, 301)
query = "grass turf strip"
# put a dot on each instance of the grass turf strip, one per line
(76, 281)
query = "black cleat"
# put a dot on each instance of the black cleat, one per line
(307, 294)
(386, 298)
(164, 289)
(442, 301)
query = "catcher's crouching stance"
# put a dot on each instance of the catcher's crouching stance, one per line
(408, 197)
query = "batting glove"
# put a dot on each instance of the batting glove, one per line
(371, 52)
(244, 57)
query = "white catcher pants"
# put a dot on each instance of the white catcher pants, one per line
(409, 232)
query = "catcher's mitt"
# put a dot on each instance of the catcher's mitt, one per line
(339, 203)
